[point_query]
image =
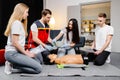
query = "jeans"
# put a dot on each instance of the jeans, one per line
(63, 52)
(23, 62)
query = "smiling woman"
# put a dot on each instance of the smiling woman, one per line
(16, 32)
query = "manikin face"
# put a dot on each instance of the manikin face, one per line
(101, 21)
(70, 25)
(25, 15)
(47, 18)
(52, 57)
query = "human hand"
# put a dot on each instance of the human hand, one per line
(48, 47)
(30, 54)
(53, 42)
(97, 52)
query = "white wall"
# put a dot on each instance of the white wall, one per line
(115, 22)
(59, 9)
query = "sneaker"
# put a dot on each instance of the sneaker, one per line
(108, 59)
(8, 68)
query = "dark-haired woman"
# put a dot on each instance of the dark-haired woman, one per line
(70, 38)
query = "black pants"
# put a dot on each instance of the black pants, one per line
(98, 59)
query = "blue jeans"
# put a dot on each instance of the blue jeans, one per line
(23, 62)
(62, 52)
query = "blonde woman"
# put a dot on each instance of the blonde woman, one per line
(16, 32)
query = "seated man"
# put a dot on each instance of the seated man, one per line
(67, 59)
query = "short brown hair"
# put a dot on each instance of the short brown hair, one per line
(46, 11)
(102, 15)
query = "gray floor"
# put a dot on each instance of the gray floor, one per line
(115, 60)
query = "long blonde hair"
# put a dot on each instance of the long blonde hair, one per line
(17, 15)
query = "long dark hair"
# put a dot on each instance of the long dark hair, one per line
(75, 31)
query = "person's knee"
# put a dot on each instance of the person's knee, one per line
(38, 69)
(99, 63)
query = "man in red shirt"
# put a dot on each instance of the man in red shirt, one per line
(39, 34)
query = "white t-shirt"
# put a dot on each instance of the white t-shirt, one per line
(16, 28)
(101, 34)
(64, 32)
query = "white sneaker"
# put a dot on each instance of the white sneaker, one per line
(108, 59)
(8, 68)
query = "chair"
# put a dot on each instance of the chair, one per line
(54, 33)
